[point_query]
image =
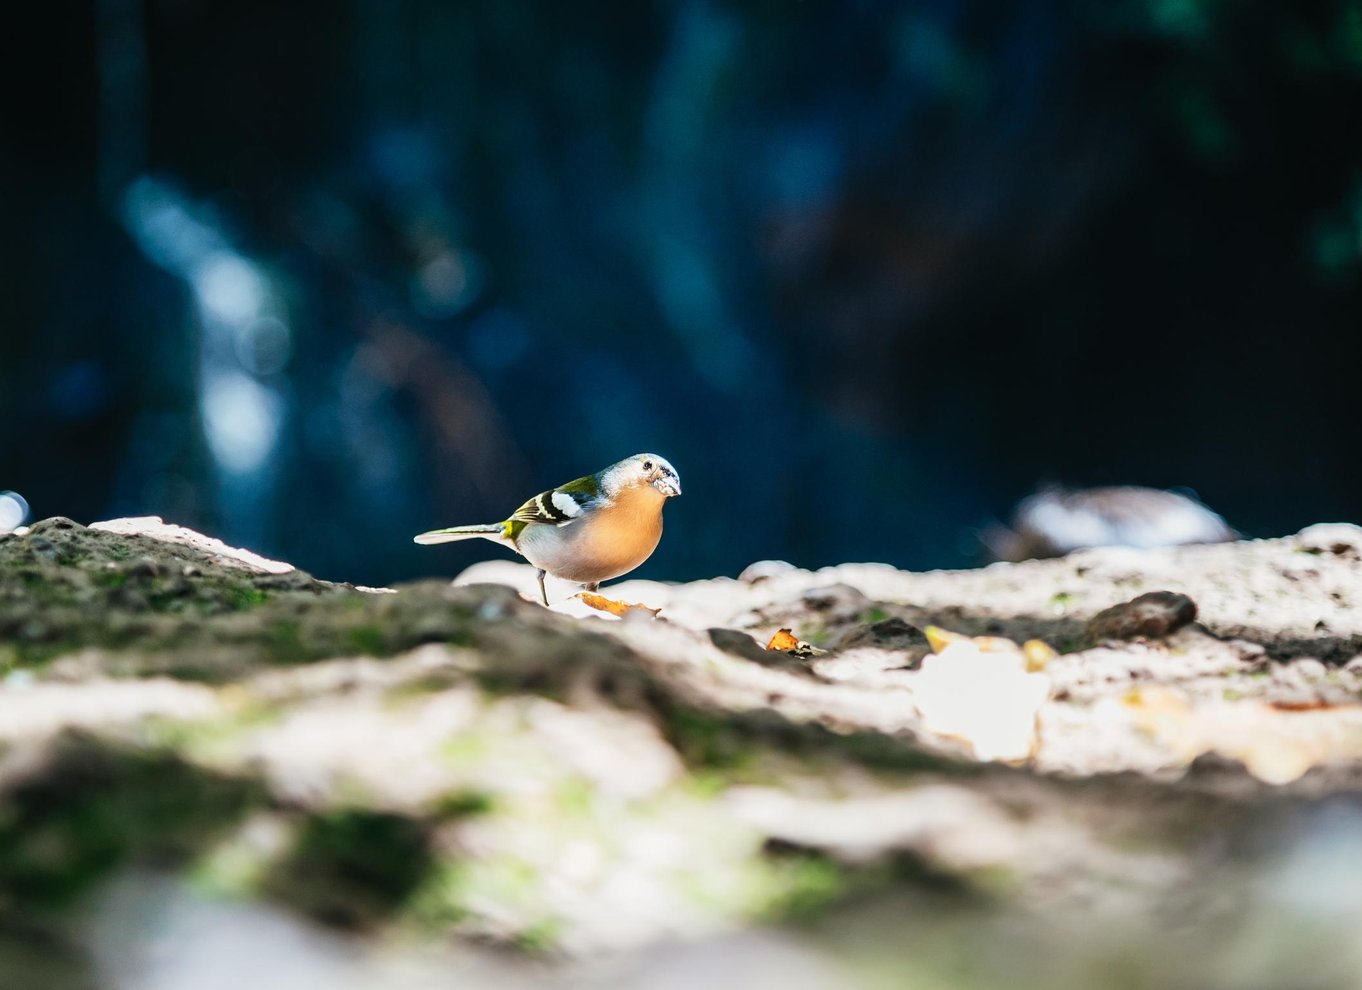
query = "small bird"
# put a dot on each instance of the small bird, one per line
(589, 530)
(1056, 521)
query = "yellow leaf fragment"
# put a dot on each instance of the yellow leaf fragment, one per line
(602, 604)
(939, 639)
(1038, 654)
(784, 640)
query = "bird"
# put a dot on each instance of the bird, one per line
(587, 531)
(1057, 521)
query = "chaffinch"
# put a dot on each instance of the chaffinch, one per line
(1056, 521)
(589, 530)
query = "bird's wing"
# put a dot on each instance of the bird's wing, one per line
(557, 506)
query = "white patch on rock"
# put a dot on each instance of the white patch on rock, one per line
(157, 528)
(33, 711)
(987, 700)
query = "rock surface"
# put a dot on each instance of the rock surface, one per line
(453, 765)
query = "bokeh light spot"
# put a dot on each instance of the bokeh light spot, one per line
(241, 419)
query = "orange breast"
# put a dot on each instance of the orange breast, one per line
(623, 536)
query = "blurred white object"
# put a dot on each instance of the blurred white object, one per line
(987, 700)
(1057, 521)
(13, 511)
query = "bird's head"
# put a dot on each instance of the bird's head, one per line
(643, 469)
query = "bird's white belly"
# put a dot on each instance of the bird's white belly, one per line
(585, 554)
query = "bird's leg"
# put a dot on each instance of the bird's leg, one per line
(542, 593)
(592, 586)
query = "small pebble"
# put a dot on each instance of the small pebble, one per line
(763, 569)
(1154, 615)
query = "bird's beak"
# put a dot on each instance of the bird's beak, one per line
(668, 486)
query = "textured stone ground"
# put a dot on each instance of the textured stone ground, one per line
(456, 768)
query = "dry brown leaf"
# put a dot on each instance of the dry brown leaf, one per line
(1305, 706)
(602, 604)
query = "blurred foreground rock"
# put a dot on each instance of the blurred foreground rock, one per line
(190, 730)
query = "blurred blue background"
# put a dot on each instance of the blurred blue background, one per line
(316, 277)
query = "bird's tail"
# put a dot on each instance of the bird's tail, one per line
(487, 531)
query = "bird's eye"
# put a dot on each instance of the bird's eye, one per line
(647, 465)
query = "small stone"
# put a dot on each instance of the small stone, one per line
(836, 600)
(763, 569)
(1339, 539)
(144, 567)
(176, 586)
(1154, 615)
(889, 634)
(129, 598)
(58, 523)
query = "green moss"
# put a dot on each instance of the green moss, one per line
(283, 641)
(354, 867)
(463, 804)
(576, 796)
(501, 683)
(439, 903)
(109, 578)
(234, 868)
(540, 937)
(802, 886)
(729, 747)
(705, 740)
(425, 685)
(874, 615)
(368, 639)
(815, 633)
(244, 596)
(708, 784)
(36, 655)
(465, 749)
(98, 809)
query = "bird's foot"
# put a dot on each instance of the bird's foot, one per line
(602, 604)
